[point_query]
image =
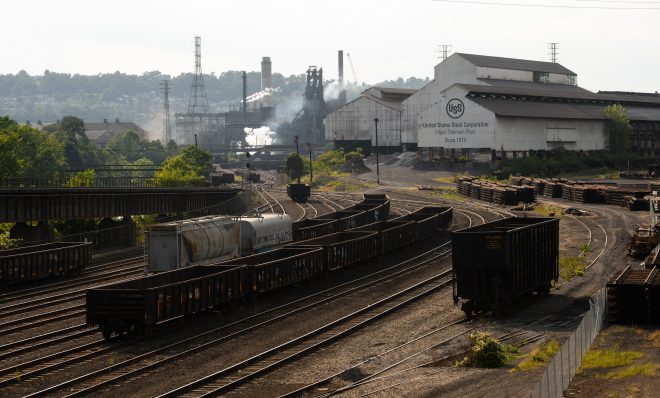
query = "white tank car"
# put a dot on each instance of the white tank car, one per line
(196, 241)
(264, 232)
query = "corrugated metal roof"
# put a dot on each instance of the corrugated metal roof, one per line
(395, 90)
(560, 91)
(555, 87)
(515, 64)
(532, 90)
(557, 110)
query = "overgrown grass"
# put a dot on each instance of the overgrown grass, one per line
(344, 186)
(547, 210)
(487, 352)
(448, 194)
(647, 369)
(605, 359)
(539, 357)
(570, 267)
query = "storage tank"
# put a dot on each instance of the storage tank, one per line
(197, 241)
(262, 233)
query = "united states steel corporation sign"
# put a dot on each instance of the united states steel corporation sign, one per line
(455, 108)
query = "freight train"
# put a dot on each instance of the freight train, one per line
(498, 262)
(139, 305)
(207, 240)
(29, 263)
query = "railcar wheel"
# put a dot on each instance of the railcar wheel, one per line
(106, 331)
(468, 308)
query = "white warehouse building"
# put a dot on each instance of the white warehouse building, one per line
(352, 126)
(508, 105)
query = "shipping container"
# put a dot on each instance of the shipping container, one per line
(28, 263)
(497, 262)
(343, 249)
(140, 304)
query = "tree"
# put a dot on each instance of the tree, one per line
(28, 152)
(127, 144)
(294, 166)
(189, 167)
(618, 129)
(73, 126)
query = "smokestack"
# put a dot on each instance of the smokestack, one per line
(340, 67)
(244, 95)
(266, 74)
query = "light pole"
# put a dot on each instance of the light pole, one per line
(298, 153)
(377, 166)
(311, 175)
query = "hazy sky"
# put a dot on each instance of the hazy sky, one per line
(609, 49)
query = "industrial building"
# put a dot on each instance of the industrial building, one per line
(352, 125)
(505, 106)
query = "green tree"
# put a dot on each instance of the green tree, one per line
(172, 148)
(294, 166)
(73, 126)
(190, 167)
(127, 144)
(82, 179)
(618, 129)
(142, 162)
(28, 152)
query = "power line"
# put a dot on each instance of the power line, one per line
(547, 5)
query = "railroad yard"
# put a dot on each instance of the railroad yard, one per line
(387, 327)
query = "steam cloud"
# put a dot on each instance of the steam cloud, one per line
(259, 136)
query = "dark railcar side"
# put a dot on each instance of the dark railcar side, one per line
(280, 268)
(445, 215)
(425, 224)
(343, 249)
(30, 263)
(139, 304)
(299, 192)
(311, 228)
(497, 262)
(393, 235)
(346, 219)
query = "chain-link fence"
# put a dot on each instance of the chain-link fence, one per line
(561, 369)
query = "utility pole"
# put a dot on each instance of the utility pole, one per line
(297, 153)
(311, 175)
(377, 162)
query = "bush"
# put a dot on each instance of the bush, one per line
(486, 352)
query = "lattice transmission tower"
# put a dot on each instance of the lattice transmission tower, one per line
(554, 51)
(198, 102)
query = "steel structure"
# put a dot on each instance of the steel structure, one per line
(165, 87)
(198, 124)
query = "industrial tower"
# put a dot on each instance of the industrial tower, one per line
(198, 124)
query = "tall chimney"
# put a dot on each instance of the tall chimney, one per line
(266, 74)
(244, 95)
(340, 67)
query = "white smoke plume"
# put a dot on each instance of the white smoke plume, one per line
(259, 136)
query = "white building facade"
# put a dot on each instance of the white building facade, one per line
(353, 125)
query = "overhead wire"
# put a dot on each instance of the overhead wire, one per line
(540, 5)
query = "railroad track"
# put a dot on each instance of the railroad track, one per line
(108, 379)
(240, 373)
(145, 362)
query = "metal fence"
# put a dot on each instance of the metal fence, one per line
(561, 369)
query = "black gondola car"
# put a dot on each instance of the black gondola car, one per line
(298, 192)
(249, 176)
(222, 178)
(29, 263)
(498, 262)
